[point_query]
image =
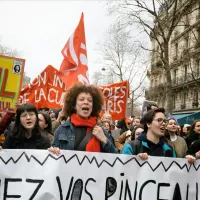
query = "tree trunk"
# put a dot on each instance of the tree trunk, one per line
(169, 97)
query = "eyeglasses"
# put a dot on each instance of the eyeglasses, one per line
(160, 120)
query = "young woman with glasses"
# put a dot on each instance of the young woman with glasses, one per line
(26, 132)
(151, 141)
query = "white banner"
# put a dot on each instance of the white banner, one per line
(38, 175)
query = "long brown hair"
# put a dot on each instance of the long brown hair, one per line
(193, 126)
(134, 130)
(167, 134)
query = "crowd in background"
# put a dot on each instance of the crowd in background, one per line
(78, 126)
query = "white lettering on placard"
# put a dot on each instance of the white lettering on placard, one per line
(119, 106)
(24, 98)
(116, 104)
(39, 80)
(123, 90)
(49, 94)
(113, 104)
(62, 98)
(40, 95)
(58, 82)
(52, 96)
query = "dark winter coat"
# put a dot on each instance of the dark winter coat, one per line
(39, 142)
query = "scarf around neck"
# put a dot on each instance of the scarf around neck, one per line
(93, 145)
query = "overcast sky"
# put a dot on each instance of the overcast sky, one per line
(40, 29)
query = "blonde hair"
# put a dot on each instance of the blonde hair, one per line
(106, 115)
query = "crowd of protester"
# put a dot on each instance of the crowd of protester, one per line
(78, 126)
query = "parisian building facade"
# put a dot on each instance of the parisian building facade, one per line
(184, 57)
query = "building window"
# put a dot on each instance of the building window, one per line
(176, 50)
(174, 102)
(198, 38)
(198, 13)
(185, 73)
(186, 43)
(175, 75)
(196, 96)
(197, 70)
(195, 102)
(184, 98)
(176, 46)
(176, 97)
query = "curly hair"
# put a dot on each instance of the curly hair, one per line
(72, 94)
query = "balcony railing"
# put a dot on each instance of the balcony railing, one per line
(185, 79)
(195, 104)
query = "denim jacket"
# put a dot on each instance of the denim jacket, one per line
(64, 138)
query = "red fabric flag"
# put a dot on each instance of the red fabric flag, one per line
(74, 65)
(46, 90)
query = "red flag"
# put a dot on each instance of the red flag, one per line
(74, 65)
(45, 91)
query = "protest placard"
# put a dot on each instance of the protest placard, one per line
(39, 175)
(45, 91)
(115, 99)
(11, 75)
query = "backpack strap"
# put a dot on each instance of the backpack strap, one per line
(83, 143)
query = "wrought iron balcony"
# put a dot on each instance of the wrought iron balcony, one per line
(185, 79)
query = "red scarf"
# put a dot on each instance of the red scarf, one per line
(93, 145)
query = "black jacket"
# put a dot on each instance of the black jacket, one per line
(191, 138)
(39, 142)
(194, 147)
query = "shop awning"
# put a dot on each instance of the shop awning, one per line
(186, 118)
